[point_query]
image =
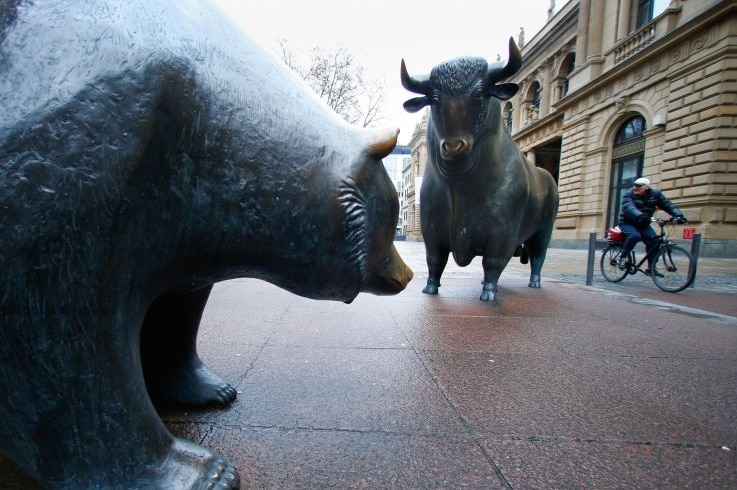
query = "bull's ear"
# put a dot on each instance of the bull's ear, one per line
(414, 105)
(503, 91)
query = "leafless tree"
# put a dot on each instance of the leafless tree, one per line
(340, 80)
(288, 57)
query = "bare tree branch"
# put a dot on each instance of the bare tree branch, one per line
(339, 80)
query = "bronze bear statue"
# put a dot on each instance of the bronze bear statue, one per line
(147, 151)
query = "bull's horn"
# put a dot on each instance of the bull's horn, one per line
(418, 85)
(514, 62)
(382, 141)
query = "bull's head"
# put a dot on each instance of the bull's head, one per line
(459, 93)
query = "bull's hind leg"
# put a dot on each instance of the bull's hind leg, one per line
(537, 248)
(172, 368)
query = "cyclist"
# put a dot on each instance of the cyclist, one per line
(638, 206)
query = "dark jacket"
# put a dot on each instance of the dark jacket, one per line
(637, 210)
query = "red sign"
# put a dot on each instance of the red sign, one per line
(689, 232)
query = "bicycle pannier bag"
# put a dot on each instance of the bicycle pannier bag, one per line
(614, 234)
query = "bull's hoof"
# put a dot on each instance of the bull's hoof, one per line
(430, 289)
(534, 281)
(488, 292)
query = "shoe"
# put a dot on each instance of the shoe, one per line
(622, 264)
(647, 273)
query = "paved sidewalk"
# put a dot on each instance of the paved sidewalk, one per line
(715, 287)
(568, 386)
(713, 274)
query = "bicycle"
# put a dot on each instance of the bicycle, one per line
(673, 268)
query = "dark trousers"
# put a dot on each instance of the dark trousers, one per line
(634, 235)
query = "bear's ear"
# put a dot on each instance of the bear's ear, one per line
(503, 91)
(382, 142)
(414, 105)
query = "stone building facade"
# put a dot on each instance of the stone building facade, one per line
(394, 163)
(409, 199)
(611, 90)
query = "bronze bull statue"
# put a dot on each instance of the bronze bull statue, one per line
(480, 196)
(149, 149)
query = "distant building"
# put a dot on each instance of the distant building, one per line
(393, 163)
(412, 180)
(611, 90)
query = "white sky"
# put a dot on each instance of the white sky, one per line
(379, 33)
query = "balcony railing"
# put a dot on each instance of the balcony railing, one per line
(636, 42)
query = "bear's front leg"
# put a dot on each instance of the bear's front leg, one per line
(76, 414)
(171, 366)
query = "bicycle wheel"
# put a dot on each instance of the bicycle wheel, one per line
(673, 270)
(608, 263)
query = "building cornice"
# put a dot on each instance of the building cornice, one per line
(558, 28)
(540, 124)
(657, 48)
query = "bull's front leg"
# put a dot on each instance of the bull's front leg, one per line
(492, 270)
(436, 262)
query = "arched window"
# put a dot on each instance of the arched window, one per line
(628, 155)
(536, 95)
(507, 114)
(531, 103)
(569, 69)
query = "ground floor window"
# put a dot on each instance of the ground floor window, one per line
(628, 155)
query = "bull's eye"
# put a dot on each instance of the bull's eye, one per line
(477, 98)
(477, 94)
(482, 108)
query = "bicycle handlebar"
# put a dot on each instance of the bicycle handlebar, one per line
(661, 221)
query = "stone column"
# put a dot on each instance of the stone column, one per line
(547, 85)
(596, 21)
(558, 84)
(517, 108)
(582, 39)
(623, 26)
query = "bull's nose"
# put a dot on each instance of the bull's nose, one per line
(453, 147)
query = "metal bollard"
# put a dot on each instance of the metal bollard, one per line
(695, 249)
(591, 259)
